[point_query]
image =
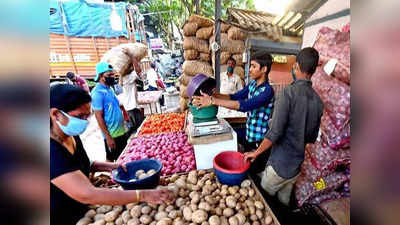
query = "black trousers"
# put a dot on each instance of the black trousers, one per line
(136, 117)
(120, 144)
(261, 161)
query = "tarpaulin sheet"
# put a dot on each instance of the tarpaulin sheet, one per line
(81, 19)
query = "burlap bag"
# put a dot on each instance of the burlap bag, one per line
(190, 54)
(120, 61)
(224, 27)
(185, 79)
(204, 33)
(201, 21)
(235, 33)
(239, 59)
(205, 57)
(239, 71)
(197, 44)
(182, 91)
(223, 58)
(227, 45)
(192, 68)
(189, 29)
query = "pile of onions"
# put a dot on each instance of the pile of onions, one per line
(171, 149)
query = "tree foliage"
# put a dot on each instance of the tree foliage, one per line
(178, 11)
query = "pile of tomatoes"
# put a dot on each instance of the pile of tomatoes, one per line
(163, 123)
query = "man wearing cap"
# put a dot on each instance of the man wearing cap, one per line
(108, 112)
(77, 81)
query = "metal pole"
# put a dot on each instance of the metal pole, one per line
(218, 40)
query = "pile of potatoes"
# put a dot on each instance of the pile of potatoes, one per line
(141, 174)
(201, 199)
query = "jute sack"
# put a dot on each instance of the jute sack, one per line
(224, 27)
(227, 45)
(201, 21)
(205, 57)
(204, 33)
(190, 54)
(120, 61)
(183, 104)
(182, 91)
(239, 71)
(192, 68)
(235, 33)
(196, 44)
(185, 79)
(223, 58)
(189, 29)
(238, 58)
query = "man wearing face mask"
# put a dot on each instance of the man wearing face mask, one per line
(230, 82)
(108, 112)
(295, 122)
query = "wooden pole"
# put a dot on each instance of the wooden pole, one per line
(218, 40)
(70, 53)
(96, 49)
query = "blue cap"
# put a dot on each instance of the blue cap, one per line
(102, 67)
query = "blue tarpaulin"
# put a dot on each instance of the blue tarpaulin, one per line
(82, 19)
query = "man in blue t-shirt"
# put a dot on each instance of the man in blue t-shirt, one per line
(256, 99)
(108, 112)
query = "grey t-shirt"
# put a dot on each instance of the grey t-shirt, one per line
(295, 122)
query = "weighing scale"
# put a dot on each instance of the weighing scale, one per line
(211, 126)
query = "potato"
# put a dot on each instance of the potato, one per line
(231, 201)
(119, 221)
(193, 207)
(268, 220)
(174, 177)
(152, 213)
(145, 219)
(139, 172)
(238, 206)
(200, 183)
(173, 214)
(130, 205)
(224, 187)
(151, 172)
(181, 183)
(136, 211)
(243, 192)
(153, 223)
(104, 209)
(204, 206)
(233, 221)
(99, 217)
(214, 220)
(164, 221)
(228, 212)
(195, 187)
(84, 221)
(224, 192)
(253, 217)
(160, 215)
(222, 205)
(241, 218)
(237, 195)
(256, 223)
(259, 214)
(195, 198)
(233, 190)
(178, 222)
(169, 208)
(223, 220)
(142, 176)
(90, 214)
(110, 223)
(187, 213)
(146, 210)
(111, 216)
(218, 198)
(199, 216)
(245, 183)
(249, 202)
(247, 223)
(207, 189)
(192, 177)
(252, 209)
(251, 192)
(183, 193)
(126, 216)
(259, 205)
(218, 211)
(133, 221)
(201, 172)
(100, 222)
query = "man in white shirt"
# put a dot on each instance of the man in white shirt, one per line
(129, 94)
(230, 82)
(152, 77)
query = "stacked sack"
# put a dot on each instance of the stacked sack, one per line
(325, 173)
(232, 45)
(197, 31)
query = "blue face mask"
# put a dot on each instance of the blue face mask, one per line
(74, 127)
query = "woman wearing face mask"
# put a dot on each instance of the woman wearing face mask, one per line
(70, 189)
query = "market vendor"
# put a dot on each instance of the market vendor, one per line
(230, 82)
(70, 189)
(296, 121)
(256, 98)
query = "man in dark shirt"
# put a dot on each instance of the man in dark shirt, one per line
(295, 122)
